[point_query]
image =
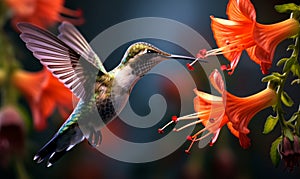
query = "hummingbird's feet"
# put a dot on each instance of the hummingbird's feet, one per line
(95, 138)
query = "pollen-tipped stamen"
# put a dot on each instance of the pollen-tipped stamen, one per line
(194, 61)
(187, 125)
(190, 138)
(160, 130)
(190, 116)
(222, 50)
(213, 52)
(190, 65)
(190, 146)
(175, 119)
(202, 137)
(194, 139)
(203, 54)
(200, 55)
(207, 127)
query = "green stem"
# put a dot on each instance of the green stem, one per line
(285, 125)
(8, 64)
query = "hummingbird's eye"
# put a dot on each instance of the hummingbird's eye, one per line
(151, 51)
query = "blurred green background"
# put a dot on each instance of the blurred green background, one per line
(226, 159)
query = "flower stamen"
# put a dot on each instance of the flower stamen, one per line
(214, 52)
(175, 119)
(202, 137)
(187, 125)
(161, 130)
(187, 151)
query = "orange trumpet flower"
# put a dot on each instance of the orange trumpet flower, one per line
(43, 92)
(44, 13)
(242, 32)
(215, 111)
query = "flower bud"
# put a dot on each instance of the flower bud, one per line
(12, 134)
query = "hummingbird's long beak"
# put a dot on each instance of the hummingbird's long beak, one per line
(185, 58)
(182, 57)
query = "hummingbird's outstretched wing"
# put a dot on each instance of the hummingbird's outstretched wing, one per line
(73, 38)
(61, 59)
(78, 75)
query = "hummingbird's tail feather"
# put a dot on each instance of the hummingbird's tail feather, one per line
(72, 37)
(64, 140)
(55, 157)
(44, 152)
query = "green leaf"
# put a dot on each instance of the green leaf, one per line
(274, 154)
(296, 81)
(270, 124)
(288, 133)
(282, 61)
(286, 99)
(291, 47)
(296, 69)
(278, 74)
(271, 78)
(286, 8)
(293, 118)
(288, 64)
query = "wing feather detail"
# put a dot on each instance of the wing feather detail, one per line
(72, 37)
(60, 59)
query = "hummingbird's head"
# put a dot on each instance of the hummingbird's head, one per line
(139, 59)
(145, 49)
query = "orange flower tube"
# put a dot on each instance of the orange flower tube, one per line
(43, 13)
(215, 111)
(242, 32)
(44, 93)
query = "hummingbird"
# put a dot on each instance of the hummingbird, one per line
(72, 60)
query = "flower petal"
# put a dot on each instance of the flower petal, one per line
(59, 92)
(54, 93)
(232, 37)
(30, 83)
(267, 37)
(217, 81)
(216, 135)
(234, 63)
(38, 121)
(207, 97)
(245, 141)
(43, 13)
(46, 106)
(232, 130)
(251, 53)
(241, 10)
(211, 110)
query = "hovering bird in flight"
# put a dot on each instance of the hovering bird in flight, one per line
(71, 59)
